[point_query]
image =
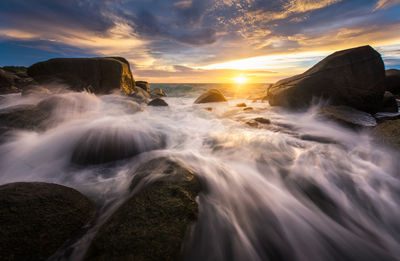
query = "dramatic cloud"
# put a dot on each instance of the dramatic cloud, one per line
(198, 40)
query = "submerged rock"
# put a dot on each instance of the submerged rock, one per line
(99, 146)
(241, 105)
(38, 218)
(157, 93)
(388, 133)
(153, 222)
(98, 75)
(27, 117)
(353, 77)
(144, 85)
(158, 102)
(212, 95)
(392, 81)
(389, 103)
(140, 95)
(349, 117)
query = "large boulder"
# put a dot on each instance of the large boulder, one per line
(158, 102)
(140, 95)
(144, 85)
(98, 75)
(153, 222)
(389, 103)
(353, 77)
(212, 95)
(157, 93)
(388, 133)
(108, 144)
(348, 117)
(39, 218)
(392, 81)
(7, 83)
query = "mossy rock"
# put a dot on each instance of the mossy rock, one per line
(388, 133)
(153, 222)
(38, 218)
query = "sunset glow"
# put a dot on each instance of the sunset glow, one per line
(240, 80)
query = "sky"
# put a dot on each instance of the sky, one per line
(198, 41)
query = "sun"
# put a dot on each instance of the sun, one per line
(240, 79)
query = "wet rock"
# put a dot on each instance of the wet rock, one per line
(208, 108)
(348, 117)
(153, 223)
(158, 102)
(140, 95)
(386, 116)
(110, 144)
(7, 84)
(35, 90)
(262, 120)
(392, 81)
(212, 95)
(353, 77)
(252, 123)
(241, 105)
(157, 93)
(389, 103)
(27, 117)
(248, 109)
(98, 75)
(144, 85)
(388, 133)
(38, 218)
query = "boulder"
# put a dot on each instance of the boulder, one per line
(353, 77)
(27, 117)
(154, 221)
(7, 84)
(110, 144)
(157, 93)
(212, 95)
(348, 117)
(140, 95)
(389, 103)
(241, 104)
(392, 81)
(388, 133)
(35, 90)
(98, 75)
(144, 85)
(158, 102)
(38, 218)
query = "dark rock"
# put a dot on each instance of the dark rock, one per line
(208, 109)
(158, 102)
(157, 93)
(392, 81)
(388, 133)
(144, 85)
(140, 95)
(389, 103)
(98, 75)
(153, 223)
(35, 91)
(248, 109)
(241, 105)
(353, 77)
(262, 120)
(387, 116)
(252, 123)
(99, 146)
(348, 117)
(27, 117)
(7, 84)
(38, 218)
(212, 95)
(15, 69)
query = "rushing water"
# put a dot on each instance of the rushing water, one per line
(295, 189)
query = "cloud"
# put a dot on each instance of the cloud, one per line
(383, 4)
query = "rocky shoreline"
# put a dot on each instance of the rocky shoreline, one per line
(156, 218)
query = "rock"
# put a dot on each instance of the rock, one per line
(212, 95)
(388, 133)
(153, 222)
(389, 103)
(7, 84)
(241, 105)
(392, 81)
(248, 109)
(140, 95)
(262, 120)
(158, 102)
(16, 69)
(353, 77)
(27, 117)
(348, 117)
(157, 93)
(387, 116)
(35, 91)
(38, 218)
(98, 75)
(110, 143)
(144, 85)
(125, 104)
